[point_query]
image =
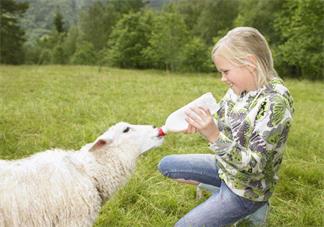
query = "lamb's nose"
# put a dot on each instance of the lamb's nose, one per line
(153, 126)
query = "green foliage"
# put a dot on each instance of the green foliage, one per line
(157, 4)
(50, 49)
(70, 41)
(260, 15)
(84, 55)
(32, 54)
(58, 22)
(96, 24)
(55, 48)
(203, 24)
(126, 6)
(166, 43)
(11, 35)
(127, 34)
(41, 108)
(217, 15)
(190, 10)
(196, 56)
(38, 19)
(45, 57)
(129, 39)
(300, 24)
(206, 18)
(59, 55)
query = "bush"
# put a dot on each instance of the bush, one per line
(45, 57)
(302, 49)
(32, 54)
(196, 56)
(129, 39)
(58, 55)
(166, 43)
(84, 55)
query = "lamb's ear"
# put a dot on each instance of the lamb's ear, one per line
(99, 144)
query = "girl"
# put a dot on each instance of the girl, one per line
(248, 140)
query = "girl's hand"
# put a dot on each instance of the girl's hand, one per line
(201, 119)
(191, 129)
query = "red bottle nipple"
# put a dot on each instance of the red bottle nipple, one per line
(161, 133)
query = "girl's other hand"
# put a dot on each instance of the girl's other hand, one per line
(201, 119)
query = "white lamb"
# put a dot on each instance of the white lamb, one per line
(67, 188)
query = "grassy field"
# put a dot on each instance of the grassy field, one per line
(68, 106)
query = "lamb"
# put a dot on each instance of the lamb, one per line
(67, 188)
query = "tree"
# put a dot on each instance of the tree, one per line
(129, 39)
(97, 22)
(169, 35)
(260, 15)
(206, 18)
(71, 40)
(59, 55)
(11, 35)
(216, 17)
(127, 6)
(196, 56)
(58, 22)
(300, 24)
(84, 55)
(190, 10)
(45, 57)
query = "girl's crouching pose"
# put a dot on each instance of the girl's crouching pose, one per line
(248, 140)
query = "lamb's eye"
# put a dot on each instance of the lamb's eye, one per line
(126, 129)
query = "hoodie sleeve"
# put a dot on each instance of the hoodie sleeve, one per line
(256, 139)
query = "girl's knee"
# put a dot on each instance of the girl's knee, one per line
(165, 165)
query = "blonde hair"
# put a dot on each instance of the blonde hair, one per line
(241, 42)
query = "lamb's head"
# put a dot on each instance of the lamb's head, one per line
(140, 138)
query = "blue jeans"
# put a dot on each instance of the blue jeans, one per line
(221, 208)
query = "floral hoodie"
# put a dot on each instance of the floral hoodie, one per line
(253, 131)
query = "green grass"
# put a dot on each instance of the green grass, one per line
(68, 106)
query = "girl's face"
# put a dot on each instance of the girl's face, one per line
(238, 77)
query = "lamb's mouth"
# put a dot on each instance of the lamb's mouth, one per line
(160, 139)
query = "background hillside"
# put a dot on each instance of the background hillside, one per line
(38, 19)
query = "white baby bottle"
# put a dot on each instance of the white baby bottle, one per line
(176, 121)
